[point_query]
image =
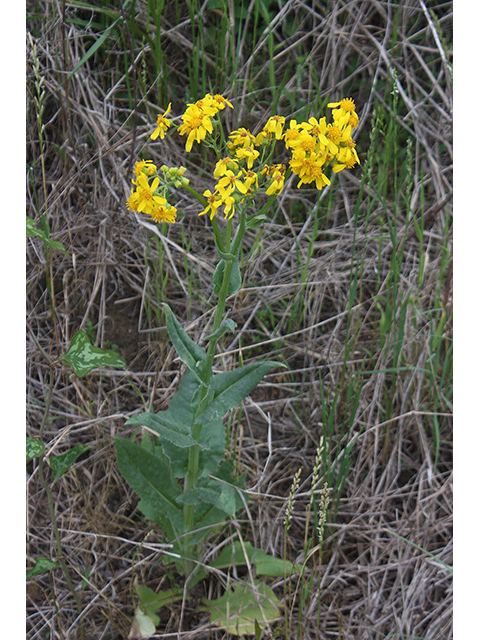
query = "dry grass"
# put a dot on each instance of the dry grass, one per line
(373, 583)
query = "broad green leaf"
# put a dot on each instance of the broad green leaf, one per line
(231, 387)
(238, 609)
(190, 353)
(84, 357)
(61, 464)
(181, 412)
(212, 516)
(42, 565)
(150, 476)
(167, 427)
(33, 232)
(265, 565)
(222, 498)
(235, 281)
(35, 448)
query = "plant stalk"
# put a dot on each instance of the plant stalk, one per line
(194, 451)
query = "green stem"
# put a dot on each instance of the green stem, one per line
(194, 451)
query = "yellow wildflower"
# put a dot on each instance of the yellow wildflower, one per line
(274, 126)
(292, 135)
(221, 102)
(251, 179)
(196, 125)
(147, 198)
(309, 168)
(144, 166)
(224, 165)
(345, 105)
(163, 124)
(133, 201)
(164, 213)
(229, 182)
(247, 153)
(214, 201)
(241, 138)
(228, 202)
(277, 173)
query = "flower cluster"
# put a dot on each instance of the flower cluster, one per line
(197, 119)
(151, 189)
(315, 144)
(244, 167)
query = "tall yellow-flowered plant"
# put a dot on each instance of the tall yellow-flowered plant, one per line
(183, 479)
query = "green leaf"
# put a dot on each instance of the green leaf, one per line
(182, 412)
(166, 425)
(222, 497)
(42, 565)
(255, 220)
(151, 477)
(226, 325)
(98, 43)
(231, 387)
(190, 353)
(35, 448)
(61, 464)
(33, 232)
(238, 609)
(265, 565)
(150, 601)
(235, 281)
(83, 357)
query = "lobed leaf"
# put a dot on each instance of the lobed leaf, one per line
(83, 357)
(35, 448)
(61, 464)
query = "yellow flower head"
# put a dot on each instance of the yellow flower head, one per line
(228, 202)
(224, 165)
(144, 166)
(309, 168)
(163, 124)
(247, 153)
(292, 135)
(251, 179)
(214, 201)
(241, 138)
(207, 105)
(274, 126)
(276, 185)
(221, 102)
(347, 105)
(164, 213)
(196, 125)
(229, 182)
(148, 199)
(133, 201)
